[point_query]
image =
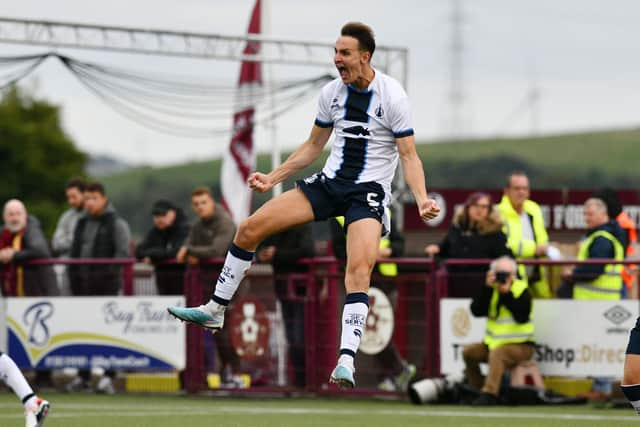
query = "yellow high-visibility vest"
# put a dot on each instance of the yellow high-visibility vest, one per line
(608, 285)
(501, 327)
(526, 248)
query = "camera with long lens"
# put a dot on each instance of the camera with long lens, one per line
(502, 276)
(431, 390)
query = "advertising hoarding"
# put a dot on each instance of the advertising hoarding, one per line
(573, 338)
(84, 332)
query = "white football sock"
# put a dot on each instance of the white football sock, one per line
(12, 376)
(235, 267)
(354, 318)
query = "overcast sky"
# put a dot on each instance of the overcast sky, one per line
(581, 55)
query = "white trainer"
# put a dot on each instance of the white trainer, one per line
(36, 414)
(209, 316)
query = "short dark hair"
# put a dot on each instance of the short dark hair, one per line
(515, 173)
(611, 199)
(95, 187)
(361, 32)
(76, 182)
(199, 191)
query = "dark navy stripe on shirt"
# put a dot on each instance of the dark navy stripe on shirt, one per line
(403, 133)
(322, 124)
(357, 105)
(354, 152)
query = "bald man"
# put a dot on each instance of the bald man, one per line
(21, 240)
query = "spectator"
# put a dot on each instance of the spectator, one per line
(628, 225)
(21, 240)
(397, 372)
(100, 233)
(603, 240)
(283, 251)
(475, 232)
(211, 234)
(169, 231)
(63, 235)
(597, 282)
(526, 234)
(506, 303)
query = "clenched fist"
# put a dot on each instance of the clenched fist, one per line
(429, 209)
(260, 182)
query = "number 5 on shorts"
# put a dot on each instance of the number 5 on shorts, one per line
(371, 200)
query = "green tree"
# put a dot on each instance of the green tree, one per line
(36, 156)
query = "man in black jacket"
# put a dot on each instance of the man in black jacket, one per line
(164, 239)
(100, 233)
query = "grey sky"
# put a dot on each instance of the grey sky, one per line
(580, 54)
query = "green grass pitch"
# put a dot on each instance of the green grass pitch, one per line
(86, 410)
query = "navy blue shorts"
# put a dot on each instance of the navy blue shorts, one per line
(337, 197)
(634, 339)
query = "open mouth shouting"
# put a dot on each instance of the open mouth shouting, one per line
(344, 73)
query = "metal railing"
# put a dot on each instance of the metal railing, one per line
(418, 288)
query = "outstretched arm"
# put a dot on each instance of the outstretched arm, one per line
(299, 159)
(414, 175)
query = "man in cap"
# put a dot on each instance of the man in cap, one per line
(161, 244)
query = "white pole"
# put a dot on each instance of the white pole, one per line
(270, 78)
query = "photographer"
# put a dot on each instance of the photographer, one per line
(506, 302)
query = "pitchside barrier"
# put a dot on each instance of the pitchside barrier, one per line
(282, 332)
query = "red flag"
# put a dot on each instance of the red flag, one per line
(239, 161)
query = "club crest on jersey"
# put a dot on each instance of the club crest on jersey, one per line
(379, 111)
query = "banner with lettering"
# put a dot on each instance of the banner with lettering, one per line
(572, 338)
(561, 209)
(133, 333)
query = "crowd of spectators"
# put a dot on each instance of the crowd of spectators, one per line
(92, 228)
(513, 228)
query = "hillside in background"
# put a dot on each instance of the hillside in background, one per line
(102, 164)
(584, 160)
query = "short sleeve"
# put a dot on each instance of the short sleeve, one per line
(400, 118)
(323, 118)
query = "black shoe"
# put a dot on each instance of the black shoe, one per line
(485, 399)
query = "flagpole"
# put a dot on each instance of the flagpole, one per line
(240, 159)
(273, 127)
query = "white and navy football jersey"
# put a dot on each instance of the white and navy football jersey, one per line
(366, 124)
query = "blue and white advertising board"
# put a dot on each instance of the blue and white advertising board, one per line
(133, 333)
(572, 338)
